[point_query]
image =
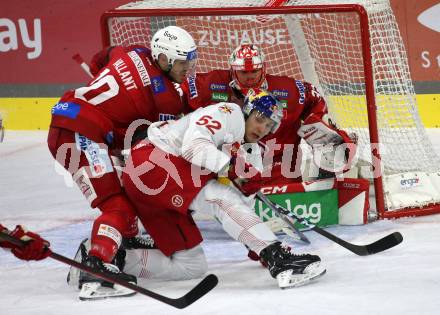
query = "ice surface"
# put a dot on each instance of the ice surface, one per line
(404, 280)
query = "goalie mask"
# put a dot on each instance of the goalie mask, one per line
(175, 43)
(247, 57)
(266, 104)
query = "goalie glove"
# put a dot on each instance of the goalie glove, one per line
(35, 247)
(333, 149)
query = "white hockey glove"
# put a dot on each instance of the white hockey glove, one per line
(243, 175)
(333, 149)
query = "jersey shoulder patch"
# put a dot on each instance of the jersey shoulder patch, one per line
(225, 108)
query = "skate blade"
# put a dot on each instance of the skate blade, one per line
(287, 280)
(73, 275)
(94, 291)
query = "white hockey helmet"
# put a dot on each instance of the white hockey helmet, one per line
(266, 104)
(175, 43)
(247, 57)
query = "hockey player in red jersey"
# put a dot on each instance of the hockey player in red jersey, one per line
(34, 248)
(175, 171)
(89, 126)
(305, 111)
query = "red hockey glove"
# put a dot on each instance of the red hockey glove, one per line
(35, 248)
(99, 60)
(243, 175)
(103, 57)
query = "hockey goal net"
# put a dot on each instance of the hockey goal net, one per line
(352, 51)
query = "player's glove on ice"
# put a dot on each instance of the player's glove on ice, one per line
(35, 247)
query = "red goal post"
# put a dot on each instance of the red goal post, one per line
(357, 61)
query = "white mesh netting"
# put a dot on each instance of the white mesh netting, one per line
(324, 49)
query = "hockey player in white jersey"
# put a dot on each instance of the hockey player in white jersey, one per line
(178, 169)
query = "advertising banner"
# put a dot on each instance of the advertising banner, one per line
(419, 23)
(39, 38)
(317, 207)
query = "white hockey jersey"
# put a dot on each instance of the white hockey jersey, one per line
(199, 137)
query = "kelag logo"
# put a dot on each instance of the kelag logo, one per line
(312, 213)
(317, 207)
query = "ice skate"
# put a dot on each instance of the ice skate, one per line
(289, 269)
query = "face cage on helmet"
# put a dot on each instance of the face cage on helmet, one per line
(242, 86)
(191, 57)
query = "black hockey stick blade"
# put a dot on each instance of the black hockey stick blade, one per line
(207, 284)
(378, 246)
(384, 243)
(275, 208)
(362, 250)
(204, 286)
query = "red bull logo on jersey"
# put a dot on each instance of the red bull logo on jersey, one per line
(225, 109)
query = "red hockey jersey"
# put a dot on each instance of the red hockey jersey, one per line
(130, 87)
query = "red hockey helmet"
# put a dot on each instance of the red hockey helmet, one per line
(247, 57)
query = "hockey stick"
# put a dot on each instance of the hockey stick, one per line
(204, 286)
(274, 207)
(378, 246)
(83, 64)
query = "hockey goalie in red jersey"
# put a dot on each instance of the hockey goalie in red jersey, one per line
(89, 125)
(304, 111)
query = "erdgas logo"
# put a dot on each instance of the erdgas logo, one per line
(409, 183)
